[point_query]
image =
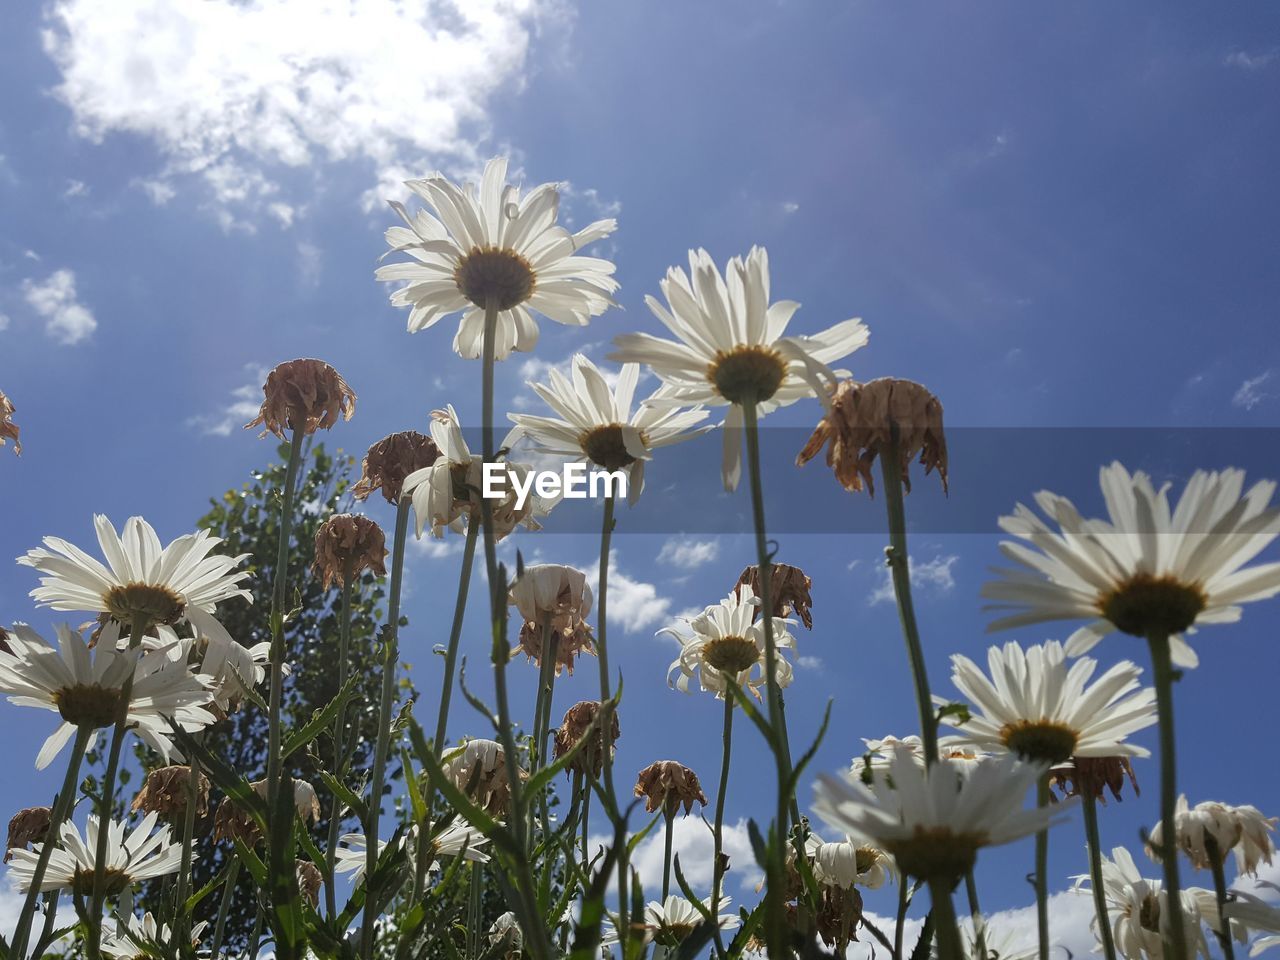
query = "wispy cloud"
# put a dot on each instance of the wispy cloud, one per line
(688, 552)
(54, 298)
(632, 603)
(238, 410)
(1244, 60)
(931, 577)
(1250, 393)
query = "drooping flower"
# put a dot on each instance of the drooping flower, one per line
(167, 790)
(85, 688)
(569, 645)
(389, 461)
(1243, 829)
(506, 939)
(310, 880)
(788, 590)
(306, 395)
(26, 827)
(142, 938)
(489, 246)
(8, 429)
(727, 644)
(964, 757)
(1090, 776)
(596, 423)
(578, 719)
(145, 582)
(933, 822)
(845, 863)
(349, 540)
(131, 857)
(553, 593)
(478, 768)
(731, 347)
(1035, 706)
(1147, 568)
(860, 425)
(231, 821)
(667, 785)
(670, 922)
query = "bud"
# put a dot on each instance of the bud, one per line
(306, 395)
(27, 827)
(590, 759)
(667, 785)
(392, 459)
(344, 540)
(788, 591)
(165, 791)
(8, 429)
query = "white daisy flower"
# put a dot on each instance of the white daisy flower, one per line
(726, 643)
(999, 943)
(846, 863)
(141, 855)
(1035, 706)
(1137, 910)
(1252, 913)
(1146, 568)
(668, 923)
(142, 935)
(933, 822)
(353, 858)
(731, 347)
(879, 754)
(142, 580)
(490, 244)
(597, 422)
(1243, 829)
(84, 687)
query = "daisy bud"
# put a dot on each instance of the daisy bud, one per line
(8, 429)
(310, 880)
(166, 789)
(668, 785)
(1089, 776)
(788, 590)
(478, 768)
(590, 760)
(306, 395)
(348, 540)
(552, 592)
(860, 424)
(27, 827)
(578, 640)
(392, 459)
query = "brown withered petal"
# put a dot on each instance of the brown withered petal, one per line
(166, 789)
(8, 429)
(668, 785)
(579, 640)
(392, 459)
(479, 769)
(1089, 776)
(26, 827)
(349, 539)
(231, 823)
(306, 395)
(310, 880)
(788, 590)
(4, 641)
(590, 759)
(859, 426)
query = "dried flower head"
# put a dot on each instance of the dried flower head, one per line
(306, 395)
(479, 769)
(8, 429)
(506, 937)
(1089, 776)
(861, 424)
(1209, 830)
(577, 720)
(27, 827)
(231, 821)
(567, 646)
(788, 591)
(166, 789)
(4, 642)
(668, 785)
(838, 916)
(310, 880)
(552, 592)
(392, 459)
(348, 541)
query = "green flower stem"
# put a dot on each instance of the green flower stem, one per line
(975, 916)
(339, 740)
(390, 660)
(455, 637)
(722, 791)
(1220, 892)
(228, 892)
(899, 568)
(181, 917)
(542, 721)
(945, 929)
(62, 806)
(1095, 875)
(1162, 675)
(900, 920)
(1042, 871)
(669, 816)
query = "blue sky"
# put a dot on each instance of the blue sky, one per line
(1052, 216)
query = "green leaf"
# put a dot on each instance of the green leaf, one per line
(320, 721)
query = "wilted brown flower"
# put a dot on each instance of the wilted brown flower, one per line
(26, 827)
(232, 822)
(8, 429)
(392, 459)
(349, 539)
(838, 918)
(860, 425)
(788, 591)
(1087, 776)
(668, 785)
(578, 641)
(590, 759)
(306, 395)
(166, 789)
(479, 769)
(310, 880)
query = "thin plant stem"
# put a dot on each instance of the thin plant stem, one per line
(945, 929)
(62, 806)
(900, 570)
(722, 791)
(181, 917)
(975, 916)
(1162, 676)
(255, 937)
(1042, 871)
(455, 637)
(667, 837)
(49, 929)
(900, 919)
(390, 660)
(339, 739)
(1095, 875)
(1220, 892)
(228, 892)
(541, 720)
(586, 818)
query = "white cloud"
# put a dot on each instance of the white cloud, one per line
(66, 319)
(159, 191)
(931, 577)
(4, 321)
(693, 842)
(790, 206)
(809, 663)
(235, 94)
(687, 552)
(1249, 394)
(240, 409)
(76, 188)
(310, 262)
(435, 549)
(632, 603)
(1252, 61)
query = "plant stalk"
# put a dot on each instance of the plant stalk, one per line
(1095, 875)
(1163, 677)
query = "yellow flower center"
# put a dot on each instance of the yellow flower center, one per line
(501, 274)
(935, 853)
(114, 881)
(1146, 604)
(148, 604)
(673, 934)
(1042, 740)
(88, 705)
(747, 373)
(864, 858)
(605, 447)
(731, 655)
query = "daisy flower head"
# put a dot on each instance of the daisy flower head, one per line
(727, 644)
(489, 246)
(552, 593)
(1207, 832)
(132, 857)
(731, 346)
(596, 422)
(670, 922)
(846, 863)
(478, 768)
(934, 821)
(1149, 568)
(1037, 707)
(8, 429)
(964, 757)
(352, 856)
(142, 937)
(142, 583)
(303, 395)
